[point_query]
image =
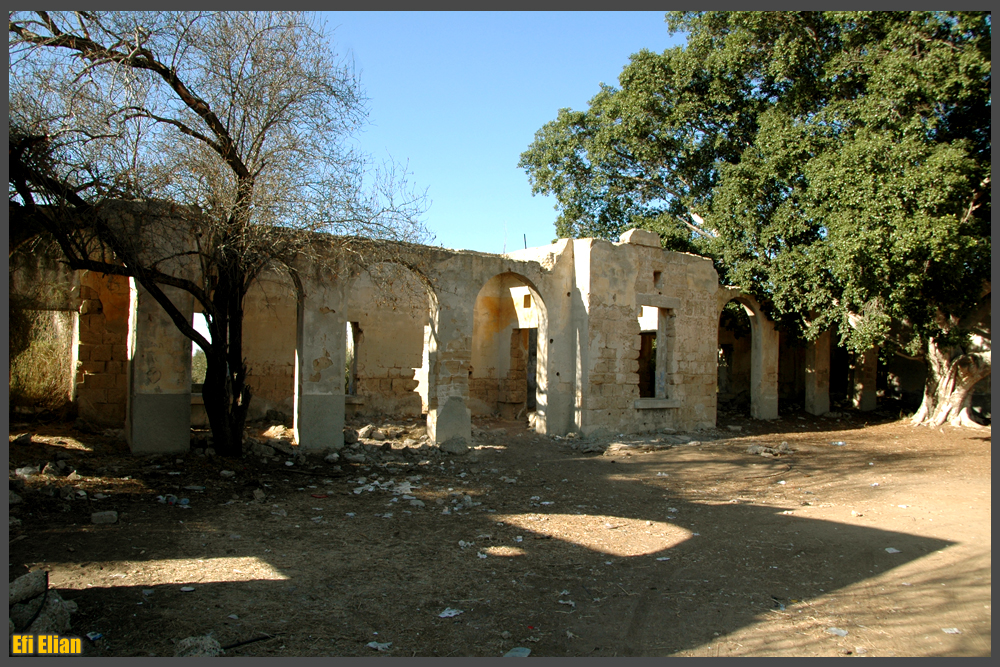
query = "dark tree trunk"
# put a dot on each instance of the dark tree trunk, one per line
(225, 392)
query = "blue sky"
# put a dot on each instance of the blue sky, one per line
(458, 96)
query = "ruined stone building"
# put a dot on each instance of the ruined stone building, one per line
(579, 336)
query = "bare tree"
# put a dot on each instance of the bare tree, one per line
(193, 151)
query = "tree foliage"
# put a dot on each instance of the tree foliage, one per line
(835, 164)
(228, 133)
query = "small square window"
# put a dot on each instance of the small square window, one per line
(527, 301)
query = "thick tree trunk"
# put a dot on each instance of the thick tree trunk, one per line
(951, 375)
(225, 392)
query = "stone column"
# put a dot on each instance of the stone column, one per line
(865, 366)
(320, 358)
(818, 375)
(159, 401)
(763, 368)
(449, 355)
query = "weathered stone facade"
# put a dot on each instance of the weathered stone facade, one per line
(581, 335)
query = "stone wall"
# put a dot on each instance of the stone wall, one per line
(445, 332)
(390, 307)
(269, 344)
(102, 373)
(505, 310)
(614, 282)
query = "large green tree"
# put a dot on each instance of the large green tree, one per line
(835, 164)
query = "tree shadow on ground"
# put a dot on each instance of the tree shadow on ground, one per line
(705, 568)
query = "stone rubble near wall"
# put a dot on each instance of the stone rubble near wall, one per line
(31, 598)
(198, 647)
(768, 452)
(369, 444)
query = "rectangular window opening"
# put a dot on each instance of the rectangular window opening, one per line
(647, 364)
(656, 343)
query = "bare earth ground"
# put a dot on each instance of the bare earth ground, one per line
(655, 549)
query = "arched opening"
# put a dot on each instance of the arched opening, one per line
(269, 338)
(386, 370)
(763, 344)
(734, 353)
(507, 375)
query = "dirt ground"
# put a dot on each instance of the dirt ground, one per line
(667, 544)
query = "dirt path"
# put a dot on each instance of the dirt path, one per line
(656, 547)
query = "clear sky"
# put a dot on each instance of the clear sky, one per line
(458, 96)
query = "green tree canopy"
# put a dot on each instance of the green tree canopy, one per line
(835, 164)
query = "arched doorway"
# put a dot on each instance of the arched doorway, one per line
(507, 376)
(387, 331)
(763, 372)
(269, 337)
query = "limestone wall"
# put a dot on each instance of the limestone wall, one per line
(102, 368)
(452, 333)
(269, 331)
(625, 277)
(391, 308)
(504, 312)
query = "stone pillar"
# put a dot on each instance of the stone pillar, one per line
(818, 375)
(865, 366)
(320, 358)
(159, 401)
(763, 368)
(449, 354)
(665, 344)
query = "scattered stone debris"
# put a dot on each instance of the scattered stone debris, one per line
(455, 445)
(28, 586)
(37, 609)
(23, 439)
(198, 647)
(628, 448)
(109, 516)
(770, 452)
(26, 471)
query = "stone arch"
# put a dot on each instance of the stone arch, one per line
(763, 354)
(389, 320)
(270, 335)
(509, 363)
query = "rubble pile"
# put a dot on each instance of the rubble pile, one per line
(37, 609)
(369, 444)
(770, 452)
